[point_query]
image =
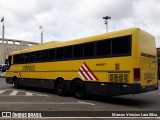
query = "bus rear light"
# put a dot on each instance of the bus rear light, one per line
(136, 75)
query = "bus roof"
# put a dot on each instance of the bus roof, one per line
(56, 44)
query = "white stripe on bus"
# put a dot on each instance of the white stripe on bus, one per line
(84, 73)
(81, 75)
(91, 75)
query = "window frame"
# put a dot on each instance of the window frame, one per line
(53, 52)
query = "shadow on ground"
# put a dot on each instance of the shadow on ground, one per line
(125, 100)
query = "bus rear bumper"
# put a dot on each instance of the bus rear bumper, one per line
(131, 89)
(143, 89)
(114, 89)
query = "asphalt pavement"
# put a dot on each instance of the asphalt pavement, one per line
(32, 100)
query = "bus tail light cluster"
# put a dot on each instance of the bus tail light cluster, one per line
(136, 72)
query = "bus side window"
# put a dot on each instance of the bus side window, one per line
(26, 57)
(89, 49)
(32, 56)
(45, 55)
(68, 51)
(78, 51)
(16, 59)
(59, 53)
(38, 56)
(52, 54)
(103, 47)
(121, 45)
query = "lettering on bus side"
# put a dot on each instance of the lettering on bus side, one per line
(101, 64)
(28, 68)
(149, 76)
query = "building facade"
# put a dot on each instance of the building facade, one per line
(11, 45)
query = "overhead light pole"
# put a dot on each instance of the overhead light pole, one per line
(41, 27)
(2, 20)
(106, 22)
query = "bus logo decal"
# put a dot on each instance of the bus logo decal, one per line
(86, 73)
(19, 75)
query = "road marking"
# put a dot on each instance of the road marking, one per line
(86, 103)
(32, 94)
(29, 94)
(14, 92)
(2, 91)
(48, 103)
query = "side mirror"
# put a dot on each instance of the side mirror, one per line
(6, 61)
(4, 68)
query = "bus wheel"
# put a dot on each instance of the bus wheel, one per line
(79, 90)
(16, 83)
(61, 88)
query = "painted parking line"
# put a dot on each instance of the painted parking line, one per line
(49, 103)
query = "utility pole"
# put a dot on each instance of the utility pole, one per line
(106, 22)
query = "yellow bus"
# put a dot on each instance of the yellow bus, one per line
(115, 63)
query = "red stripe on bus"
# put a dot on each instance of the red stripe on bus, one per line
(86, 72)
(82, 74)
(90, 71)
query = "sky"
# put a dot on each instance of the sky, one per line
(70, 19)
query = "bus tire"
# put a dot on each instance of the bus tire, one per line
(16, 83)
(61, 88)
(79, 90)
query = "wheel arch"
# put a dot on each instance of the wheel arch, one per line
(73, 81)
(14, 78)
(58, 79)
(78, 88)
